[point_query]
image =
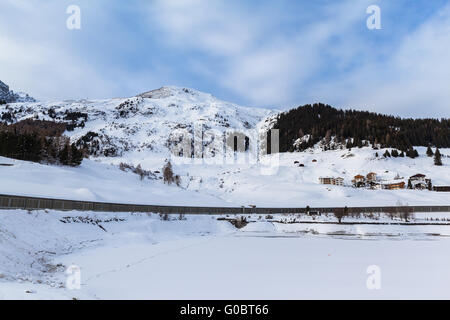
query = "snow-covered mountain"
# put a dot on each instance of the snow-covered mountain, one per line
(9, 96)
(141, 130)
(148, 122)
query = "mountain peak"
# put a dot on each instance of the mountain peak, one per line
(170, 91)
(9, 96)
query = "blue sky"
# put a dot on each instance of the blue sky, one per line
(261, 53)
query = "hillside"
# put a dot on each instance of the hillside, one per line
(147, 123)
(304, 126)
(233, 184)
(152, 123)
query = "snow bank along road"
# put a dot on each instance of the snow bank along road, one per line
(33, 203)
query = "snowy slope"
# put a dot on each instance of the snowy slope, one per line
(94, 181)
(233, 184)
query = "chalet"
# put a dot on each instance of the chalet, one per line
(371, 176)
(441, 188)
(331, 180)
(419, 181)
(393, 186)
(359, 181)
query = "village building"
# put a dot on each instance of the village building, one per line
(359, 181)
(419, 181)
(331, 180)
(376, 186)
(393, 186)
(371, 176)
(441, 188)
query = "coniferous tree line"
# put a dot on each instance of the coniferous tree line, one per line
(353, 128)
(38, 141)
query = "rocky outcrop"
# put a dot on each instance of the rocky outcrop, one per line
(9, 96)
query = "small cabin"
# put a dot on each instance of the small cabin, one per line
(371, 176)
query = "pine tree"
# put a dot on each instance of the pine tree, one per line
(412, 153)
(76, 156)
(395, 153)
(386, 154)
(64, 155)
(429, 152)
(437, 158)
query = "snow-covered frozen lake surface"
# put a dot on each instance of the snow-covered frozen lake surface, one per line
(140, 256)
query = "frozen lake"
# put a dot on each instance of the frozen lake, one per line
(267, 266)
(202, 258)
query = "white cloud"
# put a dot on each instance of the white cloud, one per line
(40, 56)
(265, 66)
(258, 61)
(413, 81)
(230, 46)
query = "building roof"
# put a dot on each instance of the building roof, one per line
(359, 176)
(419, 175)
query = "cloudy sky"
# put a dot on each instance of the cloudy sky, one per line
(261, 53)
